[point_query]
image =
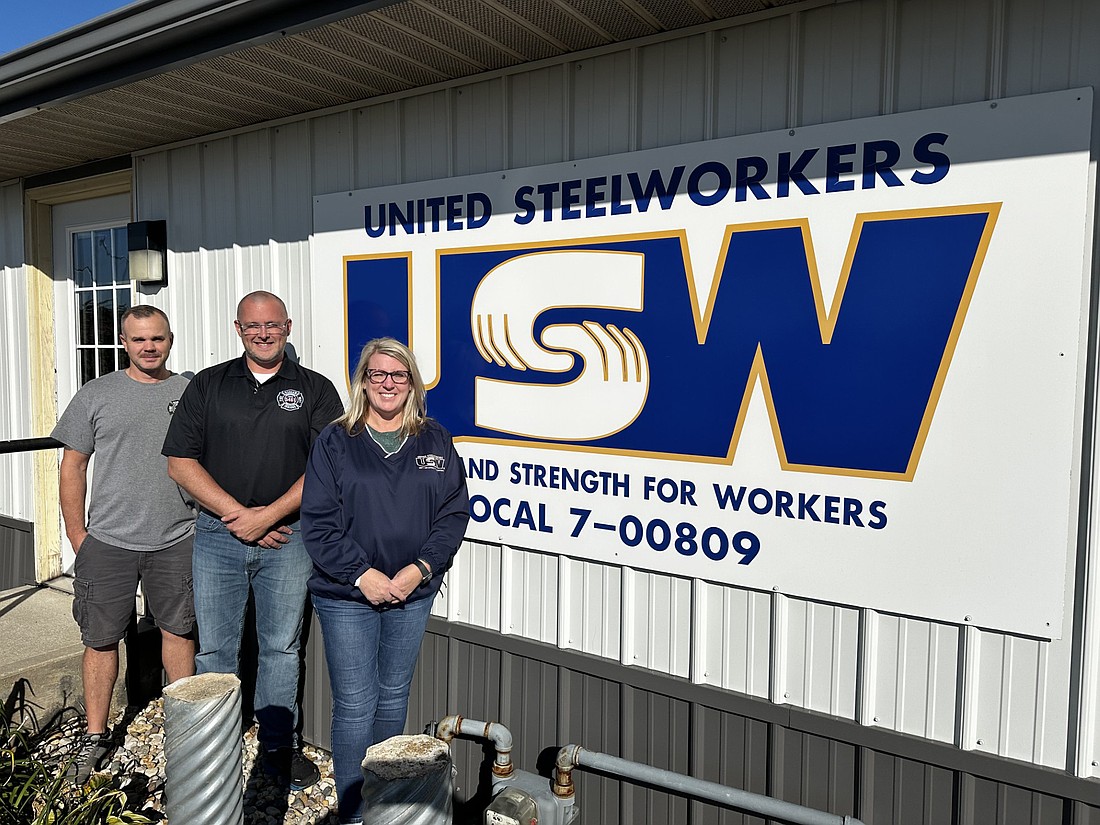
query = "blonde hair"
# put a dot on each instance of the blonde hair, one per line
(415, 412)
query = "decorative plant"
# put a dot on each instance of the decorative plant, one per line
(33, 787)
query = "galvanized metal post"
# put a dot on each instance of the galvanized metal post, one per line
(407, 780)
(202, 750)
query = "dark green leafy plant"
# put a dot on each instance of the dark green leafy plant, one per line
(33, 788)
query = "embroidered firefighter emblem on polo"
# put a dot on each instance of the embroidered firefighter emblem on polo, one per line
(290, 400)
(431, 462)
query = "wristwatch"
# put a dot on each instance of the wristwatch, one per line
(425, 573)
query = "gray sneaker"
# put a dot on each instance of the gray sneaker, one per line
(91, 750)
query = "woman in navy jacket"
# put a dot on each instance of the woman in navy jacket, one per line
(384, 510)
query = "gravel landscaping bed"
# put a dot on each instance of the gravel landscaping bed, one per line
(139, 763)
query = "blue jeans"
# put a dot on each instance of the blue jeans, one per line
(371, 655)
(224, 569)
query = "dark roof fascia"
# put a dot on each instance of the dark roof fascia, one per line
(84, 170)
(148, 38)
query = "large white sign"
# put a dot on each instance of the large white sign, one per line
(841, 362)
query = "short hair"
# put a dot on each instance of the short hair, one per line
(142, 311)
(415, 412)
(261, 295)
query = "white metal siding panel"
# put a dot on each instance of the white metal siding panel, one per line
(182, 197)
(229, 234)
(590, 617)
(752, 79)
(289, 278)
(479, 127)
(1038, 40)
(855, 59)
(426, 136)
(378, 146)
(293, 182)
(1019, 707)
(944, 52)
(602, 108)
(656, 622)
(332, 145)
(16, 474)
(538, 130)
(913, 667)
(529, 601)
(841, 62)
(473, 586)
(732, 641)
(673, 92)
(217, 174)
(150, 184)
(256, 204)
(820, 657)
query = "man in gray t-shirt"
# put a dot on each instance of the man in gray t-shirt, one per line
(139, 524)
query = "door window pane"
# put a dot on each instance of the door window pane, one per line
(106, 361)
(105, 317)
(121, 256)
(82, 259)
(104, 258)
(122, 303)
(86, 358)
(85, 318)
(102, 293)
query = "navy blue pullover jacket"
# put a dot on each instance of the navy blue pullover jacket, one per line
(361, 509)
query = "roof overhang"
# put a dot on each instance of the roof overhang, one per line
(161, 71)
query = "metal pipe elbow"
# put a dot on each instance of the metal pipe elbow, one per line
(567, 759)
(501, 738)
(447, 727)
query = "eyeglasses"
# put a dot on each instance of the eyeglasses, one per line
(254, 328)
(378, 376)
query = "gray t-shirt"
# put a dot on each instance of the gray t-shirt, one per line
(134, 504)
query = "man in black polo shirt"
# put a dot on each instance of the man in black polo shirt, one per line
(238, 443)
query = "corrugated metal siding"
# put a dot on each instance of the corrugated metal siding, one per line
(239, 219)
(229, 234)
(899, 790)
(912, 676)
(472, 590)
(16, 553)
(591, 614)
(548, 704)
(733, 628)
(16, 493)
(752, 78)
(731, 750)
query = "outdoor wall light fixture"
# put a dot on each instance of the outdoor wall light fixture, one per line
(147, 244)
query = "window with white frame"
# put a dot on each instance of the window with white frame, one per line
(101, 281)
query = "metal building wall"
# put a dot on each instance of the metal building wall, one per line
(552, 697)
(239, 213)
(16, 495)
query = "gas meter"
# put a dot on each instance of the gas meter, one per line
(512, 807)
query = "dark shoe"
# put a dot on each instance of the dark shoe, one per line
(291, 765)
(91, 750)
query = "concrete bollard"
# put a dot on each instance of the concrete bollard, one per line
(202, 749)
(407, 780)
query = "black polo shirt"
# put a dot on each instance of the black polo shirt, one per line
(252, 438)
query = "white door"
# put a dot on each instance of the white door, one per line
(92, 289)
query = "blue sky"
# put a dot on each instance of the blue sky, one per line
(28, 22)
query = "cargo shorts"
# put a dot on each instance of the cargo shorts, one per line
(106, 585)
